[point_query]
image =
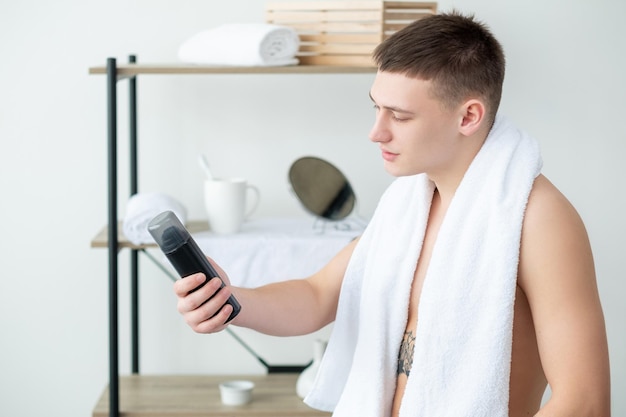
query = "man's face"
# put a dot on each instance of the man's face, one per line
(415, 133)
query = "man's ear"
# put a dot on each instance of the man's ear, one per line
(472, 117)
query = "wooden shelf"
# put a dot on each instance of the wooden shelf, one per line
(274, 395)
(129, 70)
(101, 240)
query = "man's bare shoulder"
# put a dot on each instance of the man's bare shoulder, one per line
(554, 242)
(546, 201)
(551, 219)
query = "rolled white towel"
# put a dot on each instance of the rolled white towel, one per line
(242, 44)
(142, 208)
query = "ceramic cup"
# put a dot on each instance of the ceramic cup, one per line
(227, 205)
(236, 392)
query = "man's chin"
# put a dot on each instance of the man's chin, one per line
(396, 171)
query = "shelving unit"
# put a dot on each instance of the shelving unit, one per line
(111, 238)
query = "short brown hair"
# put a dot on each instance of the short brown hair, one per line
(458, 54)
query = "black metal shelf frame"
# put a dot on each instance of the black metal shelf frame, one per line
(113, 244)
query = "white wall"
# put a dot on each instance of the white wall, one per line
(565, 84)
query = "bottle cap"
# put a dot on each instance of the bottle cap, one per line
(168, 232)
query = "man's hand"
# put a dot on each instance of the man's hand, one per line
(204, 309)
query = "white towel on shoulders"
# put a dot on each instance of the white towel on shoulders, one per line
(143, 207)
(242, 44)
(461, 363)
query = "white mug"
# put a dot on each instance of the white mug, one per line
(226, 203)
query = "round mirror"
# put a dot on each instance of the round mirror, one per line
(322, 188)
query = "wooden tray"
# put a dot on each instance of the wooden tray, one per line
(344, 32)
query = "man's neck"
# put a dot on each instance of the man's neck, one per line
(448, 179)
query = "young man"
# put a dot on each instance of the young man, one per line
(473, 286)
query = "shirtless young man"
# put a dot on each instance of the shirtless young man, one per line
(436, 95)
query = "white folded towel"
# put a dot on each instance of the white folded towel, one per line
(461, 364)
(142, 208)
(242, 44)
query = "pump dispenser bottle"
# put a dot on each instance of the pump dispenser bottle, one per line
(183, 252)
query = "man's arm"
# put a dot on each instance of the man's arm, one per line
(556, 273)
(285, 308)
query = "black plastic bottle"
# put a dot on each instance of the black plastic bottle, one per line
(183, 252)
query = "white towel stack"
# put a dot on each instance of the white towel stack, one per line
(242, 44)
(142, 208)
(461, 363)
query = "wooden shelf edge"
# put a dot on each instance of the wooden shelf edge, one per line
(101, 240)
(274, 395)
(127, 70)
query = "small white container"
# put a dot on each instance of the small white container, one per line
(236, 392)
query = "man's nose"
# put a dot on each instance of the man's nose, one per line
(379, 131)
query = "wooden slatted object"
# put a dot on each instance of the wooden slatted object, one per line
(344, 32)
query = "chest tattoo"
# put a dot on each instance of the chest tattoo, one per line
(405, 356)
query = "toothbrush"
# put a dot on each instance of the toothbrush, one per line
(204, 164)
